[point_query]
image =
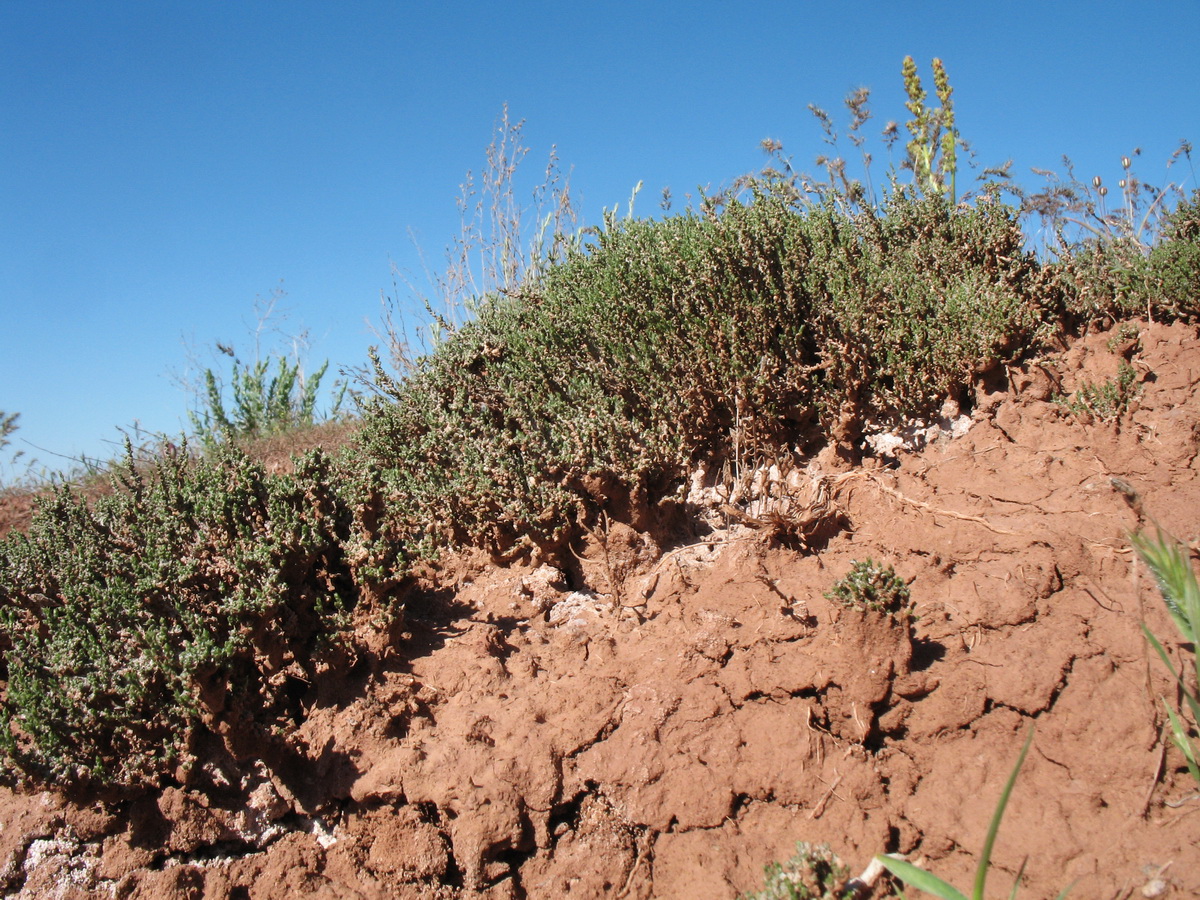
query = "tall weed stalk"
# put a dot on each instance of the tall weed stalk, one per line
(502, 244)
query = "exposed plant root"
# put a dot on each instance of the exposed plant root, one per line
(935, 510)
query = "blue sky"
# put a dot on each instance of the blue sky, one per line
(162, 165)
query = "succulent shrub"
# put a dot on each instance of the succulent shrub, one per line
(872, 586)
(117, 616)
(1174, 264)
(670, 341)
(1111, 281)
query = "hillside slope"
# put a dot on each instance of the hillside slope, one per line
(681, 707)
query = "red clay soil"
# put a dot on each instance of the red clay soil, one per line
(665, 718)
(16, 509)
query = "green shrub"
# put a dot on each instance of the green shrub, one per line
(916, 299)
(767, 324)
(1127, 264)
(872, 586)
(1174, 265)
(671, 341)
(192, 576)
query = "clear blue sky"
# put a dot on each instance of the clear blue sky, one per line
(162, 164)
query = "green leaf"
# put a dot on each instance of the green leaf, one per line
(920, 879)
(1180, 736)
(1158, 647)
(1017, 881)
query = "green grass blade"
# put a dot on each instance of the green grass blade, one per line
(1172, 571)
(1180, 736)
(1017, 880)
(920, 879)
(1191, 699)
(1158, 647)
(985, 858)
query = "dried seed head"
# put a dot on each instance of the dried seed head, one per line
(1096, 181)
(1121, 184)
(1125, 162)
(1103, 192)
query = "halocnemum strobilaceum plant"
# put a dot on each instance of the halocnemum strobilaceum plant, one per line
(872, 586)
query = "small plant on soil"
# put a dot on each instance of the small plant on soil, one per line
(1128, 335)
(872, 586)
(1172, 571)
(812, 873)
(925, 881)
(1108, 400)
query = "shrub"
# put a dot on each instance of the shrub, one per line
(191, 577)
(672, 341)
(916, 299)
(1141, 257)
(1174, 264)
(632, 358)
(756, 325)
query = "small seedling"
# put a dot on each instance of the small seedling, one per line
(813, 873)
(870, 585)
(1108, 400)
(1127, 335)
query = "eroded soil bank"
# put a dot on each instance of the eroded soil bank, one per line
(674, 711)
